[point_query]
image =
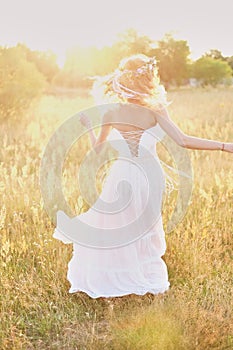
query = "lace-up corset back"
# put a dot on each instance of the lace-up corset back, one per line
(137, 143)
(133, 139)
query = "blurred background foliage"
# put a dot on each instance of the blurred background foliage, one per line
(26, 74)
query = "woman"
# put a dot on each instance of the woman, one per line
(132, 259)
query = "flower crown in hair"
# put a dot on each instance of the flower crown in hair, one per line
(149, 65)
(123, 90)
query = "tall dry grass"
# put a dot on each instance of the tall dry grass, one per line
(36, 310)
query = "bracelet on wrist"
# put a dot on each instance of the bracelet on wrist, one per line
(223, 145)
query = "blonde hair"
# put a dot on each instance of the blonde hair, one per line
(135, 78)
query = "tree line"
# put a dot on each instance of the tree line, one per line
(26, 74)
(175, 67)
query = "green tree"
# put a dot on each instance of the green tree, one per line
(80, 64)
(230, 62)
(83, 63)
(211, 71)
(173, 59)
(45, 62)
(20, 82)
(216, 54)
(130, 42)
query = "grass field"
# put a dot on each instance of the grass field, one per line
(37, 312)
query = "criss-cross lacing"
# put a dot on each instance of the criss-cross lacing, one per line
(133, 137)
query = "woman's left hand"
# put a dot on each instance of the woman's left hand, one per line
(85, 120)
(228, 147)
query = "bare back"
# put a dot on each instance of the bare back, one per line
(131, 121)
(129, 117)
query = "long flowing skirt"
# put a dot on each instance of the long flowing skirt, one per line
(134, 267)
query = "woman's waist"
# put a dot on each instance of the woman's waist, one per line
(147, 160)
(142, 156)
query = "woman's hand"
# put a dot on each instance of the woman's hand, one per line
(228, 147)
(85, 120)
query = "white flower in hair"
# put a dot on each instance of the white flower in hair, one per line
(148, 65)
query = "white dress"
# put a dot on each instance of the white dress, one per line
(136, 267)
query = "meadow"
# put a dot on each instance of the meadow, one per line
(36, 310)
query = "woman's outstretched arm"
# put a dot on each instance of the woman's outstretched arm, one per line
(187, 141)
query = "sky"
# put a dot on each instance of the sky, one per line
(60, 25)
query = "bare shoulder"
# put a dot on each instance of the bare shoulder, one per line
(107, 118)
(160, 111)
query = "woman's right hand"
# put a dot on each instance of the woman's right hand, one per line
(228, 147)
(85, 120)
